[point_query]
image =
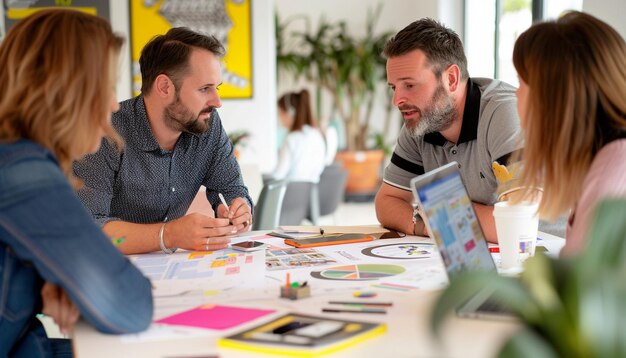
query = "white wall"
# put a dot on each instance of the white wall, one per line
(451, 14)
(258, 115)
(395, 14)
(610, 11)
(120, 23)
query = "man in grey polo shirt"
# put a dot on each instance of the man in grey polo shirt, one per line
(447, 117)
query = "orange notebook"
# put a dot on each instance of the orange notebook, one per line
(328, 239)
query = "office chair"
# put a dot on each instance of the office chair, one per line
(330, 191)
(268, 208)
(296, 205)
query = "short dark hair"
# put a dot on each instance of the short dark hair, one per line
(441, 45)
(169, 54)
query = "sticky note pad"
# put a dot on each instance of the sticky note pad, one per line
(215, 316)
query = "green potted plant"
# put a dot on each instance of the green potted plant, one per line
(238, 138)
(350, 70)
(569, 307)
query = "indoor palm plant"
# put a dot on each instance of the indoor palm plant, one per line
(569, 307)
(350, 70)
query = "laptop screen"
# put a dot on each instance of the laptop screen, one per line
(452, 221)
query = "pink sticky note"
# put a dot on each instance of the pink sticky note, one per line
(215, 316)
(232, 270)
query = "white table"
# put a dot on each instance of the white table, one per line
(408, 331)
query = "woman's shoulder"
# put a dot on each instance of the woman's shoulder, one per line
(611, 154)
(312, 132)
(24, 150)
(303, 133)
(25, 162)
(608, 167)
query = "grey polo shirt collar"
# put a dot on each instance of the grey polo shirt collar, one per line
(469, 127)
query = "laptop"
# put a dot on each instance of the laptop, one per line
(452, 223)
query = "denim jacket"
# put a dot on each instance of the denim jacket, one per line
(47, 235)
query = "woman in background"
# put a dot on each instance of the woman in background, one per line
(57, 80)
(572, 105)
(302, 156)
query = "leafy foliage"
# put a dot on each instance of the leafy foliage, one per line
(347, 68)
(238, 137)
(570, 307)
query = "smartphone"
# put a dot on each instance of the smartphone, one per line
(290, 327)
(319, 329)
(248, 246)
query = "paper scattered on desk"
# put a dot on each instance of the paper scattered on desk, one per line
(215, 316)
(416, 278)
(161, 332)
(278, 258)
(223, 264)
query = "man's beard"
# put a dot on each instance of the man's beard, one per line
(436, 117)
(179, 118)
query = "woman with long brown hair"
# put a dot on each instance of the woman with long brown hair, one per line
(303, 154)
(572, 106)
(57, 80)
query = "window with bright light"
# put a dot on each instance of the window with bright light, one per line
(492, 27)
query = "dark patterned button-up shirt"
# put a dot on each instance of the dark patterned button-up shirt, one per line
(145, 184)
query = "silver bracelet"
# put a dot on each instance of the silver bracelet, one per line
(416, 218)
(162, 244)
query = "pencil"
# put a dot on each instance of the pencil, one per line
(380, 304)
(364, 310)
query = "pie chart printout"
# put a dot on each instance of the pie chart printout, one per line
(364, 272)
(401, 251)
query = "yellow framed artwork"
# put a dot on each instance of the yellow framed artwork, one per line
(228, 20)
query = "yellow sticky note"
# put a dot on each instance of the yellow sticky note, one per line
(198, 254)
(218, 263)
(210, 293)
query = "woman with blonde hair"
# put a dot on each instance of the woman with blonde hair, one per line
(572, 106)
(57, 79)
